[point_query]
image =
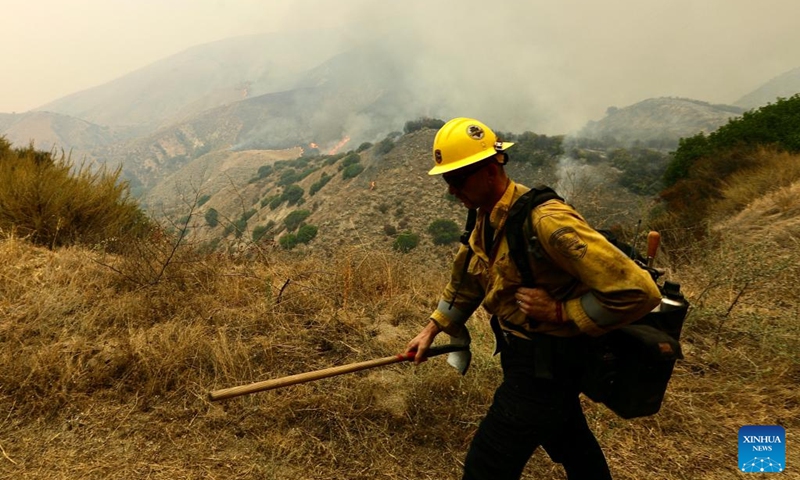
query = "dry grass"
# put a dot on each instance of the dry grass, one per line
(104, 378)
(54, 202)
(769, 171)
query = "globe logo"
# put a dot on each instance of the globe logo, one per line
(762, 449)
(762, 464)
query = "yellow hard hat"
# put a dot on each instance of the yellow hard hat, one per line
(461, 142)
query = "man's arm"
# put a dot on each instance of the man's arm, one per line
(461, 297)
(620, 291)
(423, 341)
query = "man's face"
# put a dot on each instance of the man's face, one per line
(469, 184)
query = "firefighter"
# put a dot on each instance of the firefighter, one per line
(584, 287)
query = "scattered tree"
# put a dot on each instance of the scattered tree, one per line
(212, 217)
(405, 242)
(444, 231)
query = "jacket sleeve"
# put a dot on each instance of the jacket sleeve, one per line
(619, 291)
(461, 297)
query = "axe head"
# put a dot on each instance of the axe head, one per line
(460, 359)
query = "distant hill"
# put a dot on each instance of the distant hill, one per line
(52, 130)
(402, 195)
(658, 122)
(279, 92)
(354, 97)
(200, 78)
(392, 192)
(784, 86)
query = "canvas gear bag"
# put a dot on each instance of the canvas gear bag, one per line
(627, 369)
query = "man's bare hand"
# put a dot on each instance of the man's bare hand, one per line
(419, 345)
(539, 305)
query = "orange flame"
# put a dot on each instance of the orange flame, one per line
(339, 145)
(313, 145)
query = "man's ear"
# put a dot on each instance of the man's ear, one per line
(494, 168)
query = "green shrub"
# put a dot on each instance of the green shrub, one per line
(363, 147)
(444, 231)
(202, 200)
(260, 231)
(212, 217)
(237, 228)
(534, 149)
(775, 124)
(333, 159)
(248, 214)
(317, 186)
(642, 169)
(55, 203)
(275, 202)
(384, 146)
(264, 171)
(308, 171)
(295, 218)
(424, 122)
(292, 194)
(306, 233)
(350, 159)
(352, 171)
(301, 162)
(405, 242)
(288, 177)
(288, 241)
(267, 200)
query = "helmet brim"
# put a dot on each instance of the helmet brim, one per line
(440, 169)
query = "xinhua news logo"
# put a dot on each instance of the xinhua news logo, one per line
(762, 449)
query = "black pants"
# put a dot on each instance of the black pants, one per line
(529, 411)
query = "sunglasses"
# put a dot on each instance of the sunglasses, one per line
(459, 177)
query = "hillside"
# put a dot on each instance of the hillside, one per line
(281, 91)
(783, 86)
(106, 378)
(658, 122)
(51, 130)
(202, 77)
(358, 95)
(393, 192)
(345, 210)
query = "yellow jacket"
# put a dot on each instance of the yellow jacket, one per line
(600, 286)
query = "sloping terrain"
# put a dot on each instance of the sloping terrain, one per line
(784, 86)
(393, 193)
(51, 130)
(199, 78)
(106, 378)
(658, 122)
(358, 95)
(393, 189)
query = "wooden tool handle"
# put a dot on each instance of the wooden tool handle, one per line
(653, 241)
(327, 372)
(304, 377)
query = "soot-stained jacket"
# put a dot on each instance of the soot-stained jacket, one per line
(600, 286)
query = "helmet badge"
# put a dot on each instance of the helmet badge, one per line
(475, 132)
(437, 156)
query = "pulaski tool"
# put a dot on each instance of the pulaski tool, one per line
(225, 393)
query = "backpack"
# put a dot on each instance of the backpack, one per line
(627, 369)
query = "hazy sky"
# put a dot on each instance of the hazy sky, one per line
(576, 57)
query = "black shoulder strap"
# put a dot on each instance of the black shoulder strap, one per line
(518, 216)
(472, 216)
